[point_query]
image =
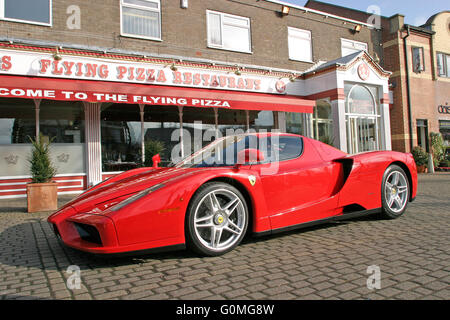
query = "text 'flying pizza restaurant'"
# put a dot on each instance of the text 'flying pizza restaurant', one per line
(133, 72)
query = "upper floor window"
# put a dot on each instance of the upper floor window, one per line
(141, 18)
(228, 32)
(299, 42)
(443, 65)
(418, 60)
(27, 11)
(350, 46)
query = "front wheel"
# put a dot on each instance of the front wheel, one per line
(217, 219)
(394, 192)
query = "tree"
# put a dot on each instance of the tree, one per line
(42, 169)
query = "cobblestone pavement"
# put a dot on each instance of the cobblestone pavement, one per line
(326, 262)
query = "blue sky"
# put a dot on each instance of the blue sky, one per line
(416, 12)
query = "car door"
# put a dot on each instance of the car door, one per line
(299, 186)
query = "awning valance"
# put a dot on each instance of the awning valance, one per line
(116, 92)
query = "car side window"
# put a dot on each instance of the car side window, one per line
(281, 148)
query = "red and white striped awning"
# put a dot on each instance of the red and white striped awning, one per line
(116, 92)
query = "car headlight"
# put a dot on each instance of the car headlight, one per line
(137, 196)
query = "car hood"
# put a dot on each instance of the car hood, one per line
(123, 188)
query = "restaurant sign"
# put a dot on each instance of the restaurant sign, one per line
(86, 68)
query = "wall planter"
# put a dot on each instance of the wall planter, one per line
(422, 169)
(42, 196)
(42, 192)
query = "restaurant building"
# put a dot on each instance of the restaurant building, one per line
(103, 81)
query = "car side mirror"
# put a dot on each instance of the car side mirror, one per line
(156, 160)
(249, 156)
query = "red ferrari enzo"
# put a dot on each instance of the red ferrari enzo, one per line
(262, 183)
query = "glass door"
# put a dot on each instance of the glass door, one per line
(362, 134)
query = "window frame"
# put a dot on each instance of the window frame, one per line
(221, 47)
(316, 120)
(133, 6)
(50, 17)
(310, 42)
(422, 62)
(354, 42)
(423, 123)
(445, 57)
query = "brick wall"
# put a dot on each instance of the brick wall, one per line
(184, 31)
(425, 93)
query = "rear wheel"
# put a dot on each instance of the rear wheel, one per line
(217, 219)
(394, 192)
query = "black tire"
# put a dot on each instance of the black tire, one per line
(394, 210)
(196, 237)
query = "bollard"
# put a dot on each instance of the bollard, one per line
(430, 163)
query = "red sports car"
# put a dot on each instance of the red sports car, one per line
(261, 183)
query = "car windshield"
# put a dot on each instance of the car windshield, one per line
(224, 151)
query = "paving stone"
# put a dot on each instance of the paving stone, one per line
(327, 262)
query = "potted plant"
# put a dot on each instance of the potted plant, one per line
(421, 158)
(42, 192)
(152, 148)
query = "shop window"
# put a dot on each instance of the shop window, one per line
(233, 121)
(299, 42)
(17, 124)
(228, 32)
(443, 65)
(62, 123)
(17, 121)
(27, 11)
(141, 18)
(418, 59)
(262, 120)
(444, 129)
(422, 134)
(295, 123)
(323, 122)
(349, 46)
(161, 124)
(121, 137)
(199, 128)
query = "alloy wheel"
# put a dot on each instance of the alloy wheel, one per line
(219, 220)
(396, 191)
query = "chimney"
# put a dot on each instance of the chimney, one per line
(396, 23)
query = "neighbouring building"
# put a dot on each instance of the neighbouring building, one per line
(102, 79)
(419, 59)
(440, 47)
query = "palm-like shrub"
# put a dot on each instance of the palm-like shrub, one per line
(41, 167)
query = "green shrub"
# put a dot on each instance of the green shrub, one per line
(420, 156)
(152, 148)
(445, 163)
(42, 169)
(437, 147)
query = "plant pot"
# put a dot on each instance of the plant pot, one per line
(422, 169)
(42, 196)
